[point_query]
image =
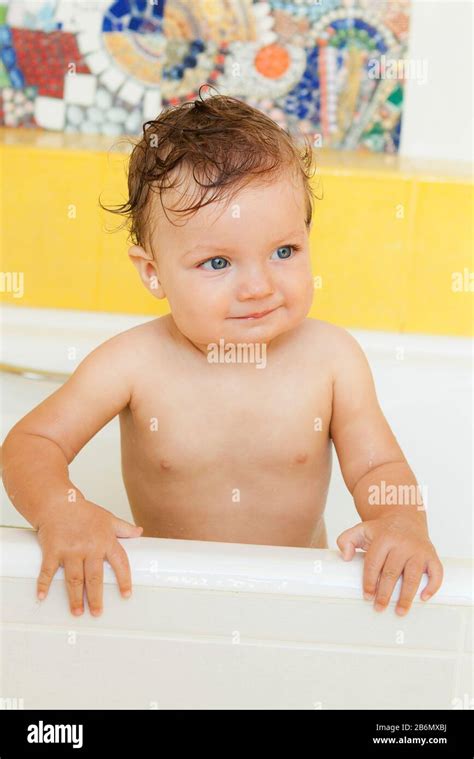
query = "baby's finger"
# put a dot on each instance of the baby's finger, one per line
(94, 574)
(74, 573)
(435, 572)
(48, 569)
(412, 574)
(373, 563)
(118, 559)
(391, 571)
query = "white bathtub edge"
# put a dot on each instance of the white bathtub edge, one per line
(235, 567)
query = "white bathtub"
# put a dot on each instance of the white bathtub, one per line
(220, 625)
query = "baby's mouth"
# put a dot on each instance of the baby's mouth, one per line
(256, 315)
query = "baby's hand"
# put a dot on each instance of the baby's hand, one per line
(79, 539)
(395, 544)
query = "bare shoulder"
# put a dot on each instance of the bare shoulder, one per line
(331, 337)
(123, 354)
(334, 345)
(323, 330)
(137, 338)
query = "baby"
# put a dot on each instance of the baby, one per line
(229, 405)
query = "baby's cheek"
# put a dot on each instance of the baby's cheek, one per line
(307, 293)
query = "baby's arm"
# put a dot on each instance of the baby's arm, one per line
(395, 535)
(72, 531)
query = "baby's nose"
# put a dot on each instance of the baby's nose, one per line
(256, 283)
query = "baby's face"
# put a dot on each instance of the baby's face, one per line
(228, 263)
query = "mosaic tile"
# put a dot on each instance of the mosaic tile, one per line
(4, 78)
(43, 59)
(272, 70)
(211, 20)
(17, 107)
(39, 15)
(132, 92)
(112, 78)
(80, 89)
(136, 16)
(305, 63)
(80, 15)
(97, 62)
(108, 113)
(152, 104)
(49, 113)
(89, 42)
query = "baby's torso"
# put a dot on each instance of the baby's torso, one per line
(229, 452)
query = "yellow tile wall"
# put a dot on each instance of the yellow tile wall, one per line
(386, 239)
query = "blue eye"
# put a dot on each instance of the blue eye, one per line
(287, 249)
(217, 263)
(220, 264)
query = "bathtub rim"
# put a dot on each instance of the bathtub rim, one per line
(236, 567)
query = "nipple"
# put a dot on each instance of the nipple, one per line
(301, 458)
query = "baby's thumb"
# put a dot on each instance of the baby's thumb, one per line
(124, 529)
(351, 539)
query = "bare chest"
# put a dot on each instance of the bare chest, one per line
(229, 423)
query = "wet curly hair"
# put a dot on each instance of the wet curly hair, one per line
(224, 142)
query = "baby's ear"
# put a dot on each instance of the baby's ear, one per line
(139, 252)
(147, 269)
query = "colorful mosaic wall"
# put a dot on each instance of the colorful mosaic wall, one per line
(99, 66)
